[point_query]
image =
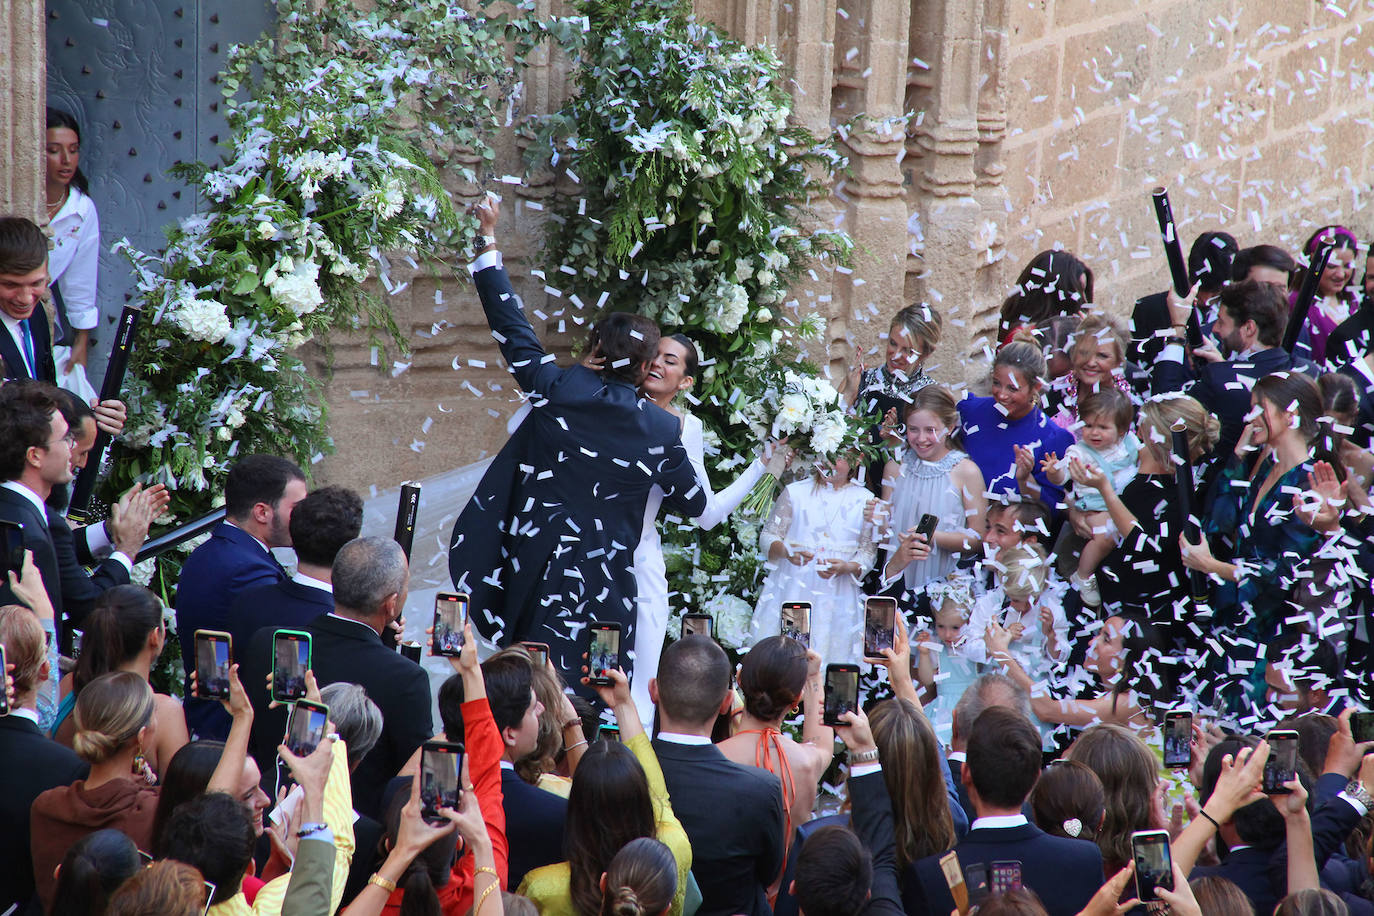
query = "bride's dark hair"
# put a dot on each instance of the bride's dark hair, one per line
(693, 357)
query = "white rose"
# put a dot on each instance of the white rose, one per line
(203, 319)
(763, 315)
(826, 438)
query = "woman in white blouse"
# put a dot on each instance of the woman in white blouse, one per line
(73, 262)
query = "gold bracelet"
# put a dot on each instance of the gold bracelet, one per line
(495, 885)
(383, 883)
(488, 870)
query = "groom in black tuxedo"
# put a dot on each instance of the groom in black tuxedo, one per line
(547, 541)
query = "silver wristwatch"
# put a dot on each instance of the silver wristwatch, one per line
(867, 756)
(1356, 790)
(483, 242)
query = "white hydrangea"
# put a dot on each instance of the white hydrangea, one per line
(732, 615)
(731, 304)
(202, 319)
(296, 287)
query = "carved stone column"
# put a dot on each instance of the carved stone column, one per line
(23, 94)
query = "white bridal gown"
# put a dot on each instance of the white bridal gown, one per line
(651, 624)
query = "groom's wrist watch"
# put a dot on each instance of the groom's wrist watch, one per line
(482, 243)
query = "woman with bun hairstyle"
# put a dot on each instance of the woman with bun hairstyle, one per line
(1143, 576)
(115, 725)
(776, 675)
(640, 881)
(125, 632)
(1068, 801)
(1007, 435)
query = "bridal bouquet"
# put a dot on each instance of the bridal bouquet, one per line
(810, 413)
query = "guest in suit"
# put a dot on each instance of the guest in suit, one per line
(842, 870)
(370, 580)
(321, 524)
(30, 764)
(733, 814)
(1002, 767)
(35, 456)
(1249, 328)
(259, 494)
(989, 690)
(534, 817)
(546, 542)
(1209, 268)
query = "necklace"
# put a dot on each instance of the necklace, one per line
(54, 206)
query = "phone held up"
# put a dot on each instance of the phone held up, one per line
(603, 652)
(880, 626)
(290, 661)
(1282, 765)
(441, 765)
(698, 624)
(1178, 739)
(1154, 865)
(214, 657)
(450, 617)
(796, 621)
(538, 653)
(305, 727)
(841, 692)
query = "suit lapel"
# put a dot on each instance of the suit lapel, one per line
(14, 365)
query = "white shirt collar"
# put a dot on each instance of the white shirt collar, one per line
(265, 548)
(506, 764)
(999, 822)
(351, 620)
(17, 487)
(301, 578)
(958, 756)
(23, 712)
(691, 740)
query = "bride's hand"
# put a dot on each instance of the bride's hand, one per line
(777, 457)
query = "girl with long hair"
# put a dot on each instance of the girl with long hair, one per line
(74, 259)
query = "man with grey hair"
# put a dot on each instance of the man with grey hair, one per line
(990, 690)
(370, 579)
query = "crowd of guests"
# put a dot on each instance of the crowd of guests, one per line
(1117, 524)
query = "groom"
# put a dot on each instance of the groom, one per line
(546, 544)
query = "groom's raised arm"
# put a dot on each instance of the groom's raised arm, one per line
(533, 368)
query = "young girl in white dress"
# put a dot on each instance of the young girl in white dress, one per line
(943, 670)
(932, 477)
(818, 543)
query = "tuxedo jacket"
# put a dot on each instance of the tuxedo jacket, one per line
(351, 652)
(547, 540)
(286, 604)
(733, 816)
(218, 571)
(1262, 871)
(1065, 873)
(534, 825)
(80, 589)
(37, 537)
(1224, 388)
(12, 362)
(30, 764)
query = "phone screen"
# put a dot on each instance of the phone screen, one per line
(450, 616)
(305, 727)
(4, 694)
(1154, 866)
(841, 692)
(1362, 727)
(1282, 764)
(698, 625)
(538, 653)
(11, 546)
(1006, 876)
(1178, 739)
(290, 661)
(796, 621)
(441, 762)
(976, 877)
(213, 658)
(603, 652)
(880, 625)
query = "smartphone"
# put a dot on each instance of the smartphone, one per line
(1362, 727)
(4, 694)
(305, 727)
(608, 733)
(1154, 866)
(538, 653)
(214, 655)
(976, 877)
(450, 616)
(1178, 739)
(441, 763)
(11, 546)
(603, 652)
(1282, 764)
(796, 621)
(880, 625)
(698, 624)
(841, 692)
(1006, 876)
(926, 526)
(290, 661)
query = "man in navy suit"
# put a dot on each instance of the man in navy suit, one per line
(547, 541)
(534, 818)
(259, 494)
(1249, 328)
(732, 814)
(1002, 767)
(321, 524)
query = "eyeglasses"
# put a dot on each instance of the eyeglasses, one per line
(69, 439)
